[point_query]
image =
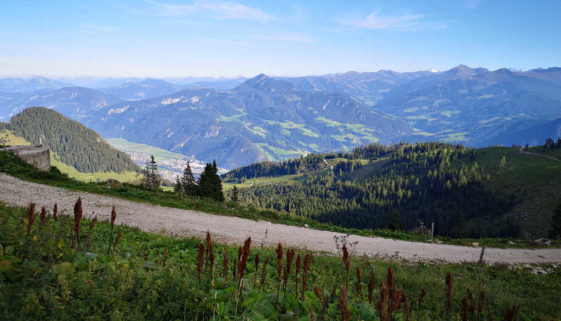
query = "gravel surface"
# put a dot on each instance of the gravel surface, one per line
(234, 230)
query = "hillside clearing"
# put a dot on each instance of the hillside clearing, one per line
(178, 222)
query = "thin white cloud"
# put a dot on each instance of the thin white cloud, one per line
(284, 37)
(219, 10)
(404, 22)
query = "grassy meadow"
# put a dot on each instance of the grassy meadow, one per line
(50, 271)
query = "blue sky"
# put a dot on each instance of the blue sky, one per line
(167, 38)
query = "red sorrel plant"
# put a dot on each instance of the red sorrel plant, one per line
(347, 262)
(113, 218)
(279, 252)
(480, 303)
(358, 282)
(390, 282)
(43, 215)
(30, 217)
(396, 299)
(117, 239)
(211, 262)
(77, 219)
(318, 294)
(323, 303)
(209, 257)
(242, 264)
(55, 212)
(312, 315)
(305, 273)
(510, 314)
(207, 253)
(288, 268)
(371, 285)
(343, 305)
(464, 309)
(298, 264)
(264, 272)
(381, 304)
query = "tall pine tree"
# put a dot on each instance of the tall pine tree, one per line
(210, 184)
(152, 177)
(188, 181)
(217, 192)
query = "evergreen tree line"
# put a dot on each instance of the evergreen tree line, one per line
(75, 144)
(430, 182)
(209, 183)
(551, 144)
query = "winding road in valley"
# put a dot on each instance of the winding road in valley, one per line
(234, 230)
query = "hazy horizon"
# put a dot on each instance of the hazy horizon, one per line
(203, 77)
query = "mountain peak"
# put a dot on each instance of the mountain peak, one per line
(463, 71)
(265, 83)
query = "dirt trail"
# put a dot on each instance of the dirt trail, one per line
(525, 152)
(157, 219)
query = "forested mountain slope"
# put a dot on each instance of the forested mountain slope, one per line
(262, 119)
(465, 191)
(75, 144)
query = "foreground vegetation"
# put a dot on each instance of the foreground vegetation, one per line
(14, 166)
(63, 267)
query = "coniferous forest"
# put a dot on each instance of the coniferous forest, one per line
(75, 144)
(363, 188)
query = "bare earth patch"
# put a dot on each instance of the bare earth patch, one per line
(177, 222)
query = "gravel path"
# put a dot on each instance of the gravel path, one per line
(158, 219)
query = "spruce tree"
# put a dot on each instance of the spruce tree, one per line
(205, 182)
(395, 223)
(235, 195)
(461, 227)
(152, 177)
(188, 181)
(217, 192)
(210, 184)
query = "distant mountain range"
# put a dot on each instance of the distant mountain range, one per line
(262, 119)
(238, 121)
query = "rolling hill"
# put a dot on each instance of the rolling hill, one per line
(71, 143)
(424, 182)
